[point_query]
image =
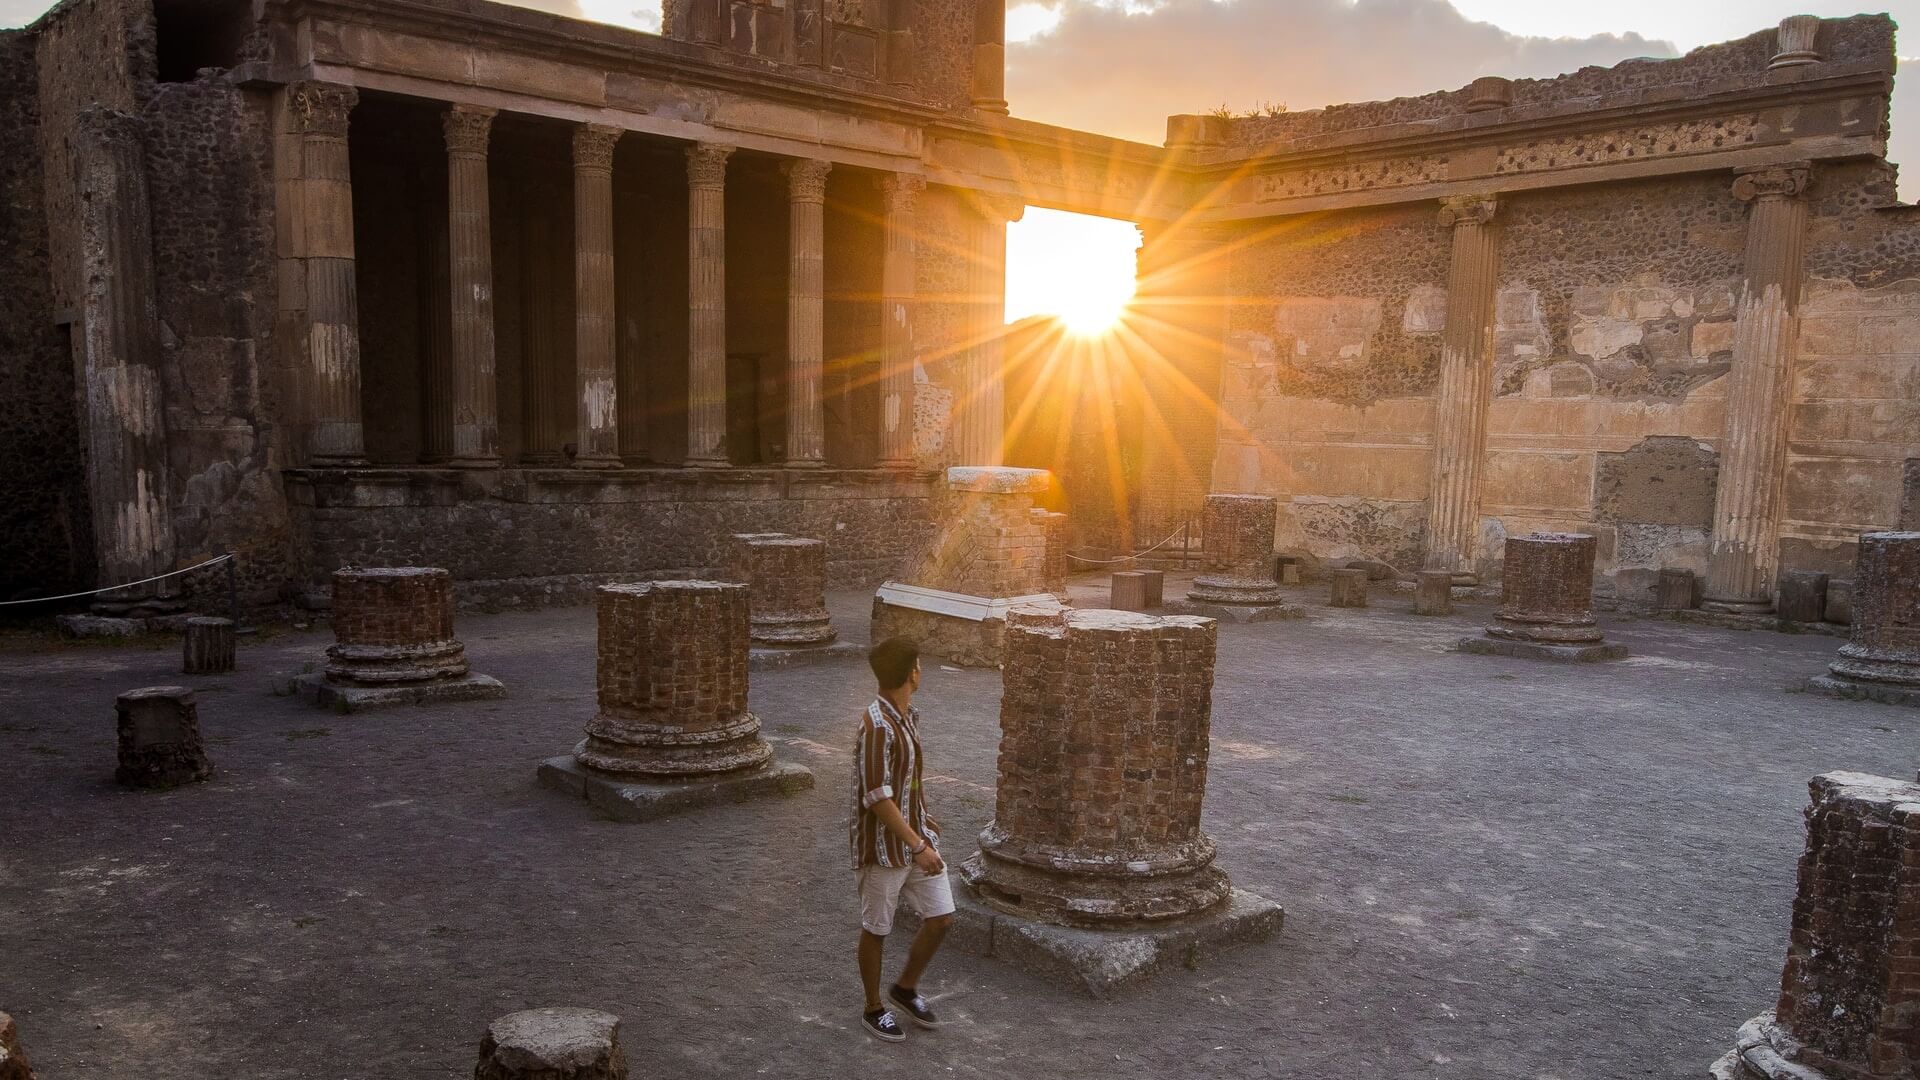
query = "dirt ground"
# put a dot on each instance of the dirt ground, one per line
(1491, 868)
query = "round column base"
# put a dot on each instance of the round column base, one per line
(1091, 890)
(387, 665)
(1230, 589)
(798, 628)
(1545, 629)
(641, 746)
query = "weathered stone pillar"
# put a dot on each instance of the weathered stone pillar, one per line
(1237, 535)
(978, 428)
(595, 330)
(476, 411)
(1849, 994)
(160, 744)
(1466, 389)
(901, 192)
(319, 301)
(786, 578)
(207, 647)
(1748, 500)
(1433, 593)
(552, 1044)
(672, 730)
(394, 643)
(1546, 602)
(806, 312)
(1881, 659)
(990, 56)
(707, 305)
(125, 407)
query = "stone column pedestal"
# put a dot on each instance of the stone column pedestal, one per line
(552, 1044)
(1676, 590)
(1433, 592)
(1546, 602)
(1881, 659)
(208, 647)
(160, 743)
(1236, 534)
(1348, 588)
(786, 578)
(672, 731)
(394, 643)
(1105, 724)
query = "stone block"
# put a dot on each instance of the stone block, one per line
(1839, 609)
(1156, 586)
(638, 801)
(98, 626)
(1128, 592)
(1803, 596)
(208, 646)
(1433, 592)
(1677, 590)
(552, 1044)
(1347, 588)
(1287, 569)
(13, 1058)
(344, 698)
(160, 745)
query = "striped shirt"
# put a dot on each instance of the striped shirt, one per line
(886, 765)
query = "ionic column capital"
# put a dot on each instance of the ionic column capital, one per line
(901, 190)
(806, 179)
(999, 209)
(1468, 209)
(319, 108)
(593, 146)
(1788, 181)
(468, 129)
(707, 164)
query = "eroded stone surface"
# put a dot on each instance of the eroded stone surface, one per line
(1237, 532)
(160, 745)
(1546, 593)
(552, 1044)
(786, 581)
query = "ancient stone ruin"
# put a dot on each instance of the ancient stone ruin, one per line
(786, 582)
(552, 1044)
(160, 743)
(1347, 588)
(1239, 582)
(1881, 659)
(207, 647)
(1546, 603)
(989, 556)
(394, 643)
(1849, 1005)
(13, 1059)
(1433, 592)
(1095, 865)
(672, 731)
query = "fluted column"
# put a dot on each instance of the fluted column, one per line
(476, 412)
(1753, 450)
(990, 56)
(320, 306)
(1466, 387)
(594, 328)
(806, 311)
(707, 305)
(901, 192)
(979, 423)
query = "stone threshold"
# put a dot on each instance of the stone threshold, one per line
(628, 800)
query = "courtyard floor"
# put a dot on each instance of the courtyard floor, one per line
(1491, 868)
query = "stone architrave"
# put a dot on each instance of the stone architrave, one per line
(1546, 603)
(1750, 495)
(13, 1058)
(552, 1044)
(596, 395)
(1466, 388)
(988, 556)
(707, 305)
(672, 731)
(1237, 536)
(786, 578)
(394, 643)
(1433, 593)
(207, 646)
(1347, 588)
(1881, 659)
(160, 744)
(1095, 862)
(1848, 992)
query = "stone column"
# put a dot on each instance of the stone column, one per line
(806, 312)
(707, 305)
(900, 191)
(476, 412)
(979, 422)
(594, 327)
(1546, 602)
(786, 578)
(124, 398)
(990, 56)
(1237, 535)
(1466, 389)
(160, 745)
(1881, 659)
(319, 299)
(394, 643)
(1748, 500)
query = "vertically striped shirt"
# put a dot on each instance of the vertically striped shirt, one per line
(886, 765)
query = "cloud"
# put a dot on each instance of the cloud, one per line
(1104, 69)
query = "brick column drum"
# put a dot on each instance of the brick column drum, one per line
(1546, 602)
(1849, 1006)
(1237, 536)
(394, 643)
(1881, 659)
(160, 745)
(786, 581)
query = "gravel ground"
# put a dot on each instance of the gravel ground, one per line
(1491, 868)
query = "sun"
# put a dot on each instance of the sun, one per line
(1077, 268)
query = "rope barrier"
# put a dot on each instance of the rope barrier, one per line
(1130, 558)
(116, 588)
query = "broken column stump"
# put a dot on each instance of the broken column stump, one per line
(208, 648)
(1676, 590)
(786, 579)
(1881, 659)
(1348, 588)
(160, 744)
(552, 1044)
(1094, 868)
(1849, 1006)
(1433, 592)
(1802, 596)
(394, 643)
(1054, 567)
(13, 1059)
(1129, 591)
(1546, 603)
(1236, 534)
(672, 731)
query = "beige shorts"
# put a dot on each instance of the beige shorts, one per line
(883, 887)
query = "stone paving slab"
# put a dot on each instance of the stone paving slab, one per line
(315, 688)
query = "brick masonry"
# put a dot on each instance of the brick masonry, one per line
(392, 626)
(1884, 643)
(1546, 590)
(786, 580)
(1237, 535)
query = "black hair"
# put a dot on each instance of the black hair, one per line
(892, 661)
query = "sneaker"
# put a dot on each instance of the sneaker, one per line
(881, 1025)
(915, 1005)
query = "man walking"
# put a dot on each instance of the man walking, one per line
(895, 841)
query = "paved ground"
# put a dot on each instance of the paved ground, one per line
(1491, 868)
